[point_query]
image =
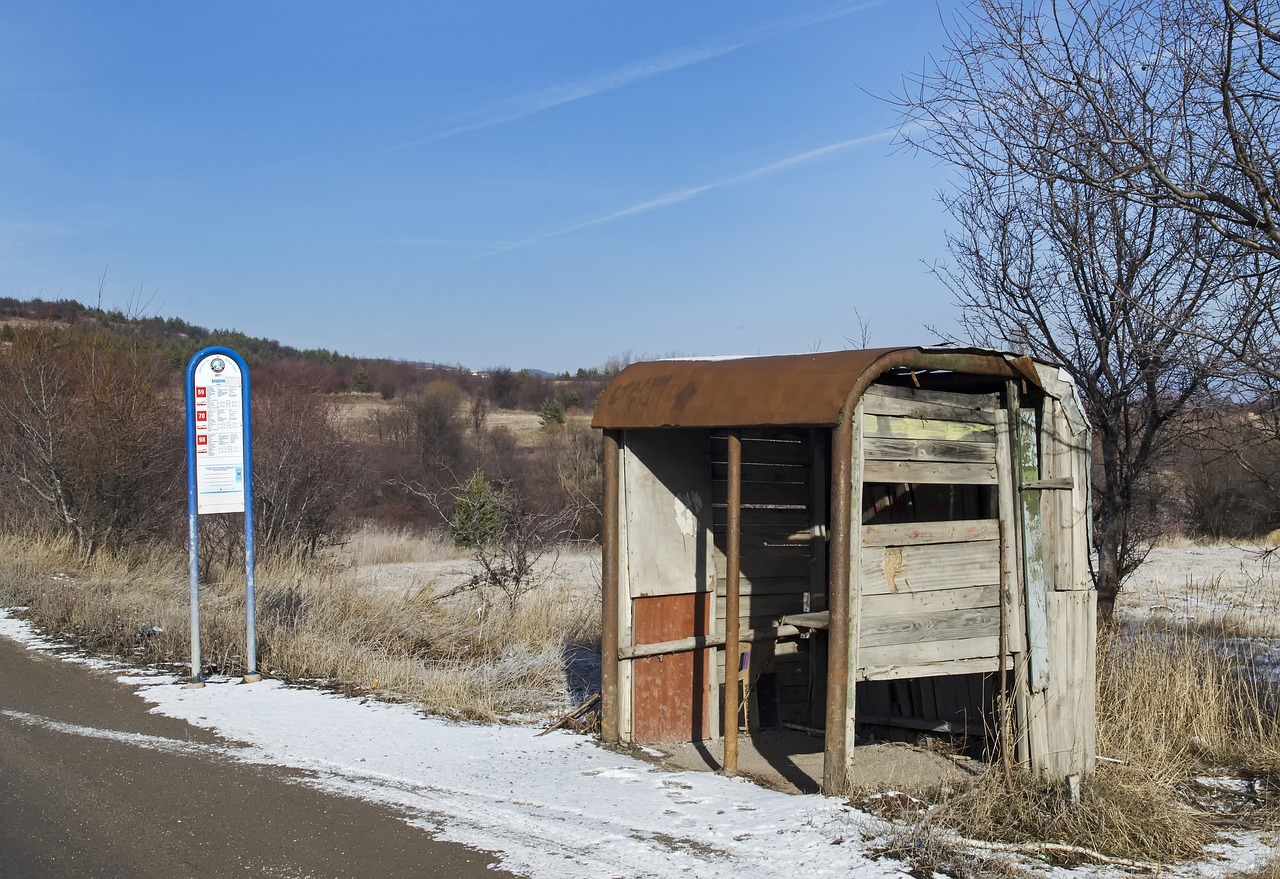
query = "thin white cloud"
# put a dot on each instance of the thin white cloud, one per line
(689, 193)
(530, 103)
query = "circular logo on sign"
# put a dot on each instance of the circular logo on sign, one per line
(217, 364)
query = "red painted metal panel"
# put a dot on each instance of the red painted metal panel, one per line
(670, 701)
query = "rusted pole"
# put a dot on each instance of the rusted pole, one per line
(733, 568)
(835, 762)
(609, 588)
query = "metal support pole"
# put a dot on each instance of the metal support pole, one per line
(193, 534)
(609, 593)
(251, 675)
(733, 571)
(835, 761)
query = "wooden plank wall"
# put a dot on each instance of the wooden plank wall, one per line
(931, 589)
(779, 511)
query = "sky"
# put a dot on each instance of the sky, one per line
(541, 185)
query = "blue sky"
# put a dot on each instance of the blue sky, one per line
(539, 184)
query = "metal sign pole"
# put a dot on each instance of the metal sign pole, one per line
(251, 675)
(193, 529)
(220, 475)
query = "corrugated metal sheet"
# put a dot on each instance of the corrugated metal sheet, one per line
(808, 389)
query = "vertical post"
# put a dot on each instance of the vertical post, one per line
(838, 734)
(251, 675)
(193, 532)
(733, 572)
(609, 583)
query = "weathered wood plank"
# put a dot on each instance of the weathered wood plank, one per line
(767, 434)
(1010, 536)
(818, 619)
(931, 472)
(765, 453)
(966, 598)
(766, 535)
(762, 607)
(929, 567)
(914, 533)
(1035, 571)
(756, 493)
(917, 403)
(920, 628)
(795, 584)
(889, 426)
(797, 473)
(900, 449)
(960, 399)
(949, 658)
(763, 567)
(769, 517)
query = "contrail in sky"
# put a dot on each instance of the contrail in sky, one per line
(527, 104)
(692, 192)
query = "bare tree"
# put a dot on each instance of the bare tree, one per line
(1100, 286)
(1055, 117)
(89, 439)
(1161, 104)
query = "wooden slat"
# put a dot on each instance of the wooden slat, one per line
(942, 658)
(921, 628)
(761, 567)
(885, 407)
(966, 598)
(769, 517)
(929, 567)
(762, 472)
(930, 532)
(888, 426)
(766, 535)
(958, 399)
(750, 434)
(788, 493)
(931, 472)
(819, 619)
(796, 585)
(764, 452)
(899, 449)
(763, 607)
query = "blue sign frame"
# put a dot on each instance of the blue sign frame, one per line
(193, 529)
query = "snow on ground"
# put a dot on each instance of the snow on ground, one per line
(557, 806)
(1222, 583)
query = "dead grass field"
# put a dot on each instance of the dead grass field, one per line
(344, 621)
(357, 413)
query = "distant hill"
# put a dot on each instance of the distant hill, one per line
(175, 341)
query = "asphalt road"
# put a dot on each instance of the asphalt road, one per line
(77, 803)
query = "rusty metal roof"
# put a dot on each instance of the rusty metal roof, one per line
(808, 389)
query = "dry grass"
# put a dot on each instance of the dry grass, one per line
(1173, 702)
(473, 658)
(1177, 709)
(383, 546)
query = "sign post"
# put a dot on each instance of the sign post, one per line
(219, 475)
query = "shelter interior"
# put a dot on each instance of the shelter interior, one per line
(964, 605)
